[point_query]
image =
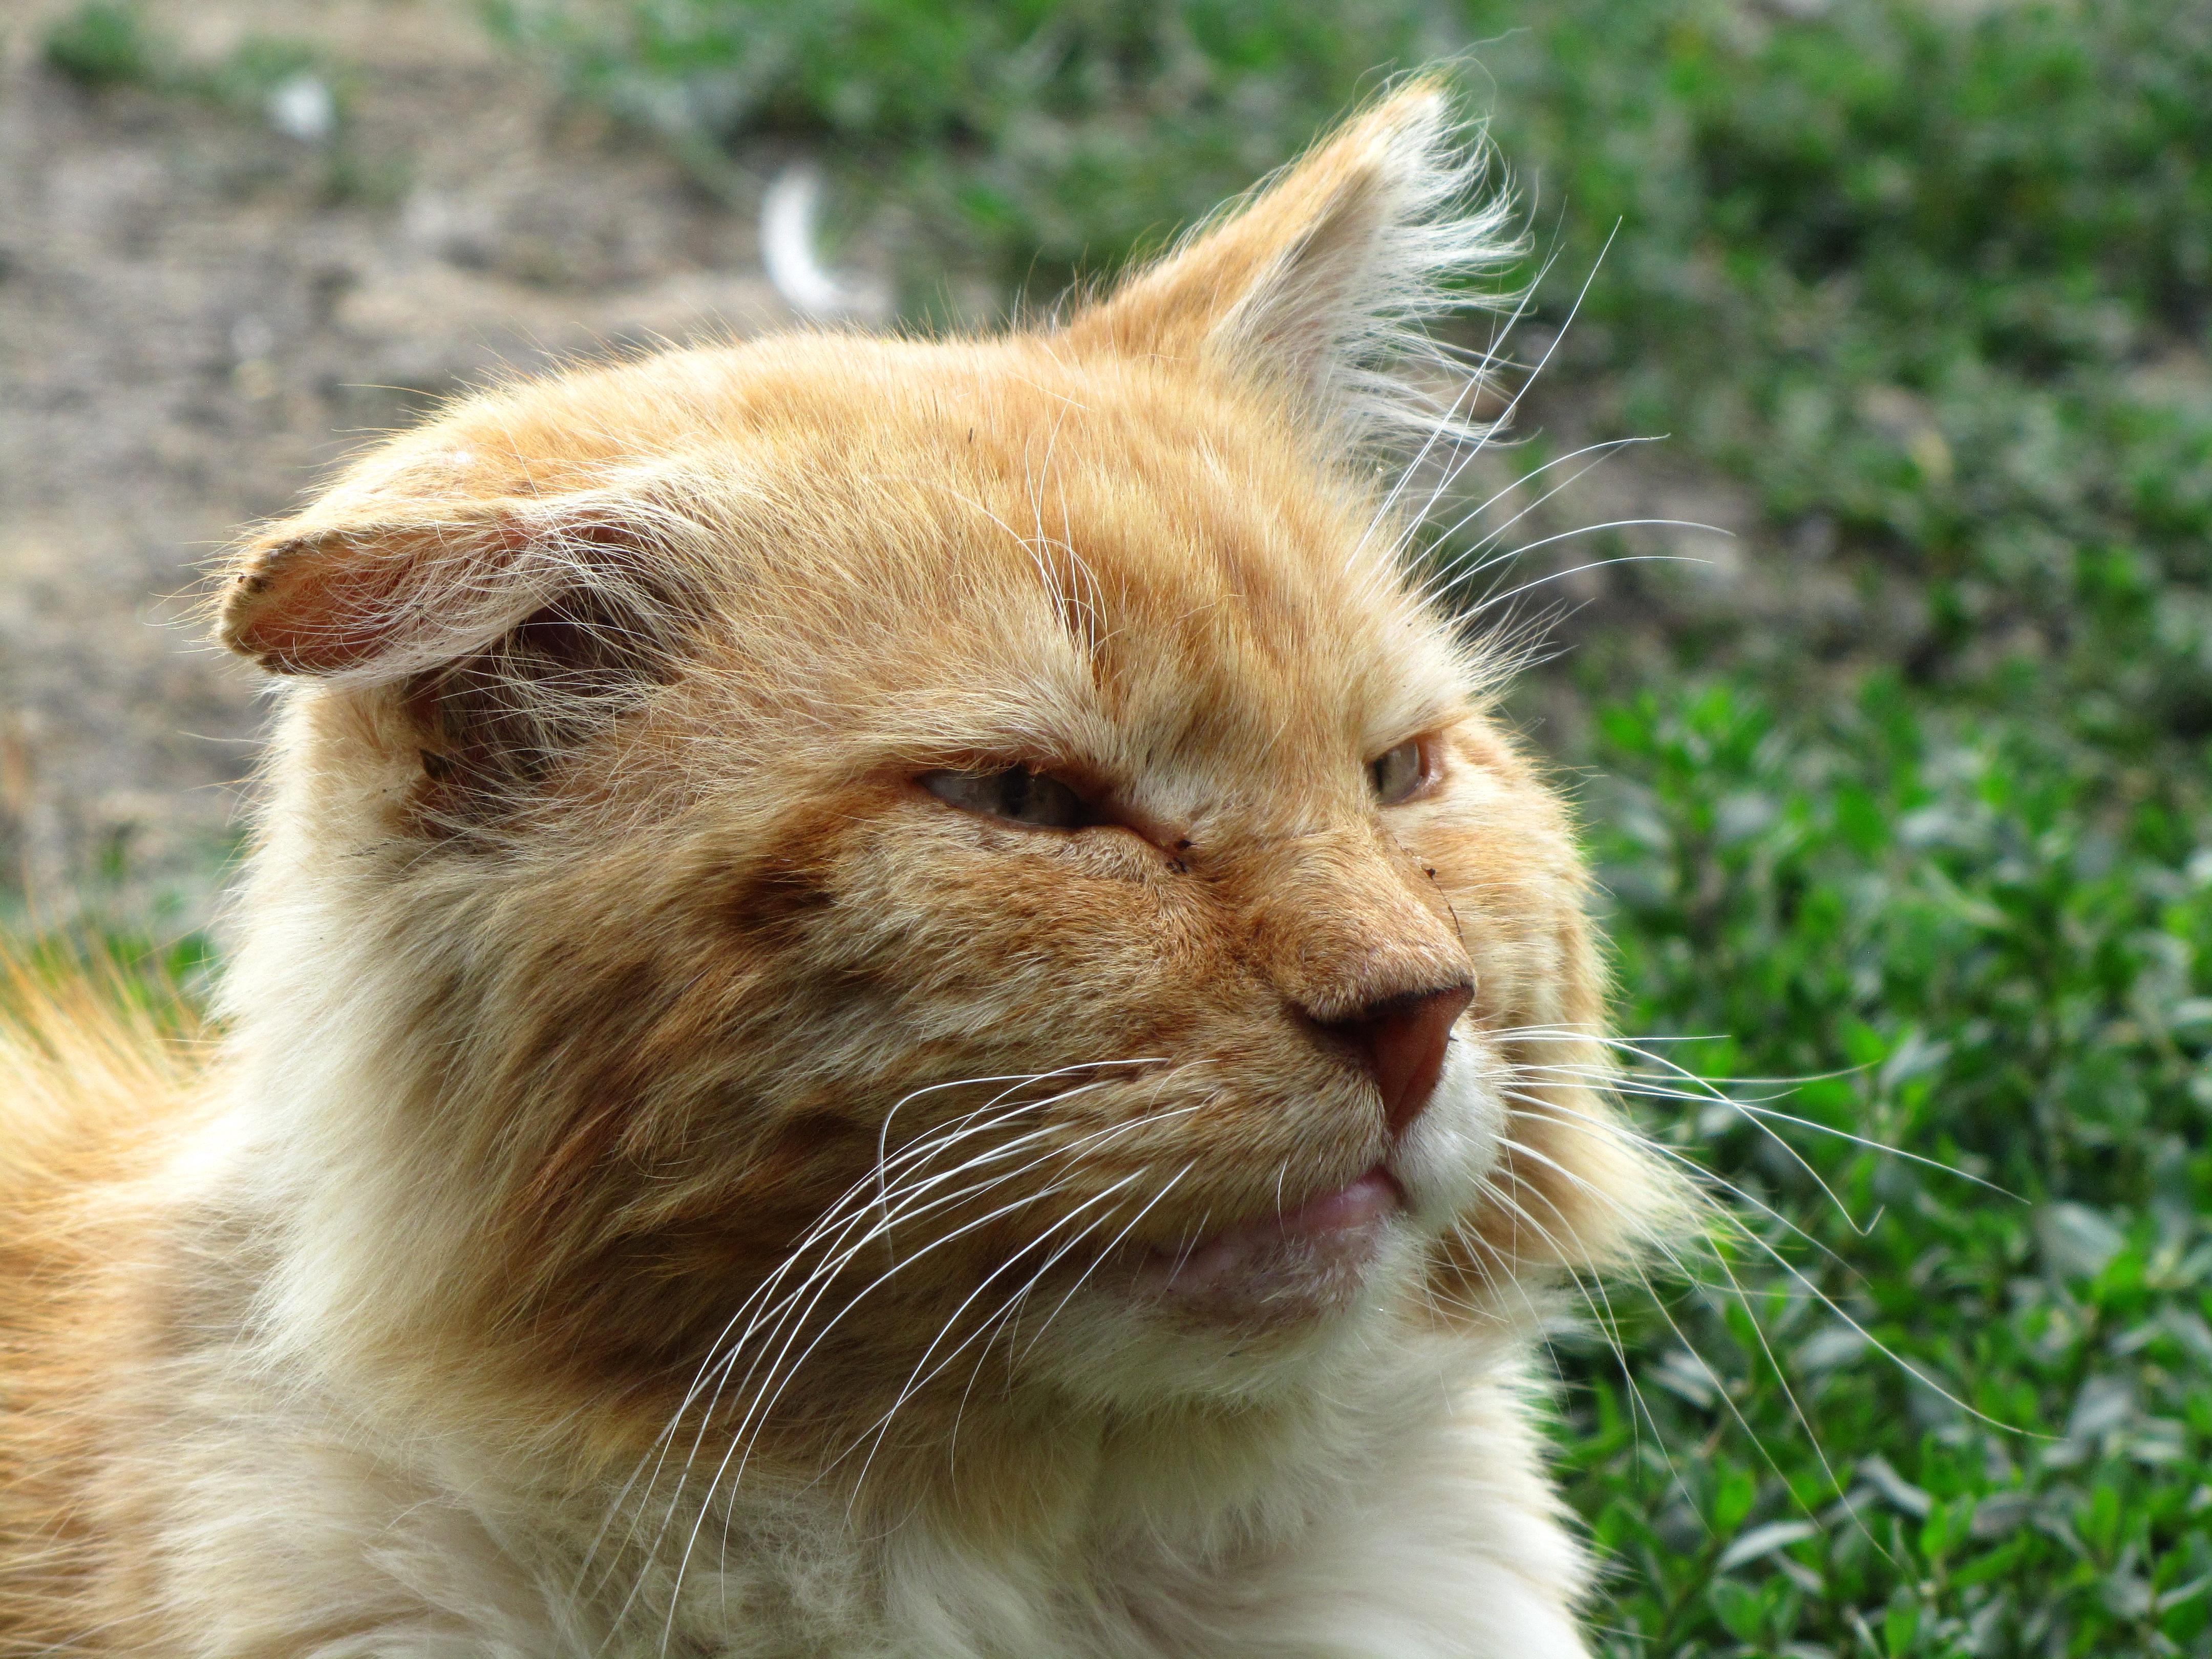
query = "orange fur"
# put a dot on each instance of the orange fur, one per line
(98, 1104)
(647, 1089)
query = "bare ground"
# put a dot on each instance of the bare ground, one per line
(198, 315)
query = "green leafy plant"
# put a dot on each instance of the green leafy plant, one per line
(1935, 282)
(1936, 1016)
(101, 45)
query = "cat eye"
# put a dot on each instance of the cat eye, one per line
(1396, 775)
(1014, 793)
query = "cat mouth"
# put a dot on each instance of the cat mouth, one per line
(1294, 1261)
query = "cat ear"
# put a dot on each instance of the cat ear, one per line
(508, 630)
(372, 591)
(375, 595)
(1322, 281)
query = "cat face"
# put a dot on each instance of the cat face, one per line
(887, 858)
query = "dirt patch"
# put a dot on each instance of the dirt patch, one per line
(199, 314)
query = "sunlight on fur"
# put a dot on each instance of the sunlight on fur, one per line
(894, 998)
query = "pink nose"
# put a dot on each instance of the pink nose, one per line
(1401, 1041)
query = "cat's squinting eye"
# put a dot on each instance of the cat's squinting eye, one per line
(1396, 775)
(1014, 793)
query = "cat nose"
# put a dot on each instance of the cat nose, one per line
(1401, 1042)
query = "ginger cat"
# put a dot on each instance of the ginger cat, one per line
(895, 999)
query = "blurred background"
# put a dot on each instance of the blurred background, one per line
(1859, 515)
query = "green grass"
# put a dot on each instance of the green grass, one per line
(1933, 284)
(101, 45)
(1939, 287)
(1964, 1417)
(1936, 289)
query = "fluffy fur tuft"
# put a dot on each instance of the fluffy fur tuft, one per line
(1329, 291)
(894, 999)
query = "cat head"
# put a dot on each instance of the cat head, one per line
(801, 870)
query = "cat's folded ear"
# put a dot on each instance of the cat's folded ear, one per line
(371, 591)
(376, 595)
(505, 630)
(1322, 281)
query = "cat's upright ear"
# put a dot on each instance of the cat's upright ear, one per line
(1322, 281)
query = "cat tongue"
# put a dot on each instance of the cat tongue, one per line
(1337, 1229)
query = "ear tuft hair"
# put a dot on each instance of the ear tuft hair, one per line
(1324, 280)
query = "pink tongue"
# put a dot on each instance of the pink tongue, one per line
(1344, 1220)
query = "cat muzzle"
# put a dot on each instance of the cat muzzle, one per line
(1332, 1239)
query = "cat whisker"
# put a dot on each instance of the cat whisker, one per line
(757, 1413)
(1755, 1110)
(762, 1301)
(1522, 306)
(1705, 1091)
(1591, 1286)
(1795, 1273)
(1604, 451)
(765, 1310)
(1449, 432)
(910, 1209)
(1559, 1113)
(1172, 1182)
(917, 1379)
(1454, 570)
(1082, 1144)
(1801, 1161)
(884, 1158)
(1012, 1313)
(1667, 1250)
(743, 1438)
(1492, 601)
